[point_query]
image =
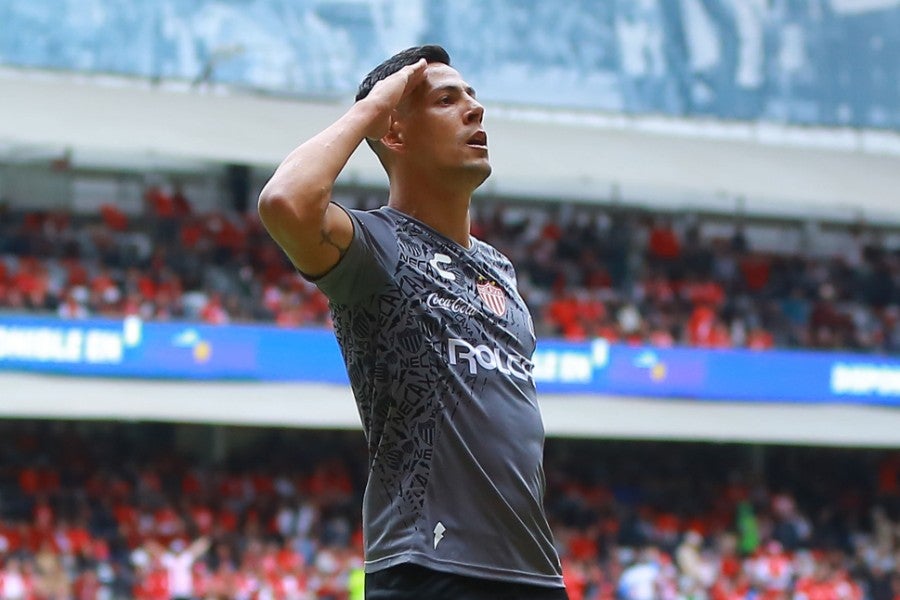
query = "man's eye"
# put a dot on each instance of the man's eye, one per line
(445, 100)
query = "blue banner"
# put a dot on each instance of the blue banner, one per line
(773, 375)
(132, 348)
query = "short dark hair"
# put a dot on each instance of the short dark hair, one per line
(410, 56)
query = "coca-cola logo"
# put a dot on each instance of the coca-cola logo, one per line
(457, 305)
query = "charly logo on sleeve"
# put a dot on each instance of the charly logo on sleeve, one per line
(492, 295)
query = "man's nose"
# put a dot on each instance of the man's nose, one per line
(475, 113)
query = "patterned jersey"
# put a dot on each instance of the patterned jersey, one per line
(438, 346)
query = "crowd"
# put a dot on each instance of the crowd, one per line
(585, 271)
(105, 516)
(95, 512)
(668, 522)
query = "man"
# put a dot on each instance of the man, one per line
(436, 339)
(178, 561)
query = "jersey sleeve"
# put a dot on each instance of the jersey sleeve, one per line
(368, 263)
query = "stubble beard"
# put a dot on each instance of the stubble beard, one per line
(478, 173)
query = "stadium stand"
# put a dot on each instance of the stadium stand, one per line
(102, 510)
(586, 272)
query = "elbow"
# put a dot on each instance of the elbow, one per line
(274, 199)
(270, 204)
(276, 207)
(278, 210)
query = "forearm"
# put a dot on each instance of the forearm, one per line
(305, 178)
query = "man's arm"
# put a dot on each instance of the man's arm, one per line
(295, 203)
(199, 547)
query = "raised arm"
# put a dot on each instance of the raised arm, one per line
(295, 203)
(199, 547)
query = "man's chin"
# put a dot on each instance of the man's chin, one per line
(472, 174)
(481, 171)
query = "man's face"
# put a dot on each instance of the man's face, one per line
(441, 125)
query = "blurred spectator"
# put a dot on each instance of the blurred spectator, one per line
(112, 511)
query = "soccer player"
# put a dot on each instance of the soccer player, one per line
(436, 340)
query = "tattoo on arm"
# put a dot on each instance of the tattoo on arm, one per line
(326, 240)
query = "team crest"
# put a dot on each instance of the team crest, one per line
(492, 296)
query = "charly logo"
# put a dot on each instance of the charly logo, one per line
(442, 259)
(492, 295)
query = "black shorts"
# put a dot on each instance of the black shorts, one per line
(412, 582)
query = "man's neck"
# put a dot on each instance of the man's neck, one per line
(445, 211)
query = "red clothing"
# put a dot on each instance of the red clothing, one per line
(43, 515)
(77, 273)
(213, 313)
(153, 586)
(101, 283)
(180, 204)
(29, 481)
(760, 339)
(228, 520)
(160, 203)
(30, 283)
(86, 587)
(700, 326)
(664, 243)
(79, 539)
(705, 292)
(203, 518)
(125, 514)
(574, 580)
(114, 218)
(582, 547)
(816, 590)
(889, 475)
(661, 338)
(755, 270)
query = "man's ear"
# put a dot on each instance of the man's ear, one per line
(393, 139)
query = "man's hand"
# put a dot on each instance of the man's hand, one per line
(388, 93)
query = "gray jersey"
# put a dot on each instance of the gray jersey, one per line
(438, 347)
